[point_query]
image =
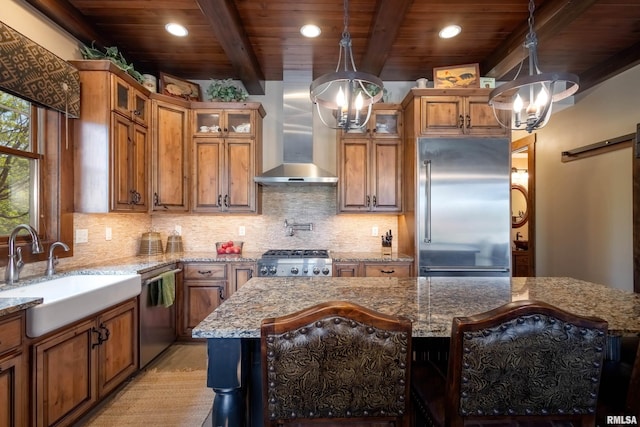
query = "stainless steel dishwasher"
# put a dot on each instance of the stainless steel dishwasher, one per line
(157, 324)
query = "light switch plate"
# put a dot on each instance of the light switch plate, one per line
(82, 235)
(241, 230)
(107, 233)
(374, 231)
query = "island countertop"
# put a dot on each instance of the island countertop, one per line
(430, 303)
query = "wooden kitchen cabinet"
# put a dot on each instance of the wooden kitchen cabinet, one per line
(129, 169)
(111, 144)
(520, 264)
(118, 355)
(205, 287)
(170, 164)
(128, 99)
(445, 113)
(13, 375)
(227, 154)
(370, 164)
(346, 269)
(65, 374)
(373, 269)
(387, 269)
(76, 366)
(239, 274)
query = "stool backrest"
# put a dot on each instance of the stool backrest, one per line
(336, 361)
(523, 360)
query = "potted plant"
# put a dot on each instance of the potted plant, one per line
(226, 91)
(113, 55)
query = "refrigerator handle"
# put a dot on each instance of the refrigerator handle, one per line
(426, 170)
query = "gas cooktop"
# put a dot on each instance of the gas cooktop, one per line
(295, 262)
(296, 253)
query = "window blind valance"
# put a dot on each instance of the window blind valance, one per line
(32, 72)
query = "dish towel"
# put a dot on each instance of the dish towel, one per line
(166, 289)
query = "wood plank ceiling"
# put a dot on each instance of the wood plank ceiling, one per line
(254, 40)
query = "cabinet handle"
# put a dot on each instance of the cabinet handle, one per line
(96, 331)
(156, 201)
(135, 197)
(461, 121)
(219, 199)
(107, 333)
(468, 121)
(375, 202)
(387, 271)
(137, 113)
(205, 272)
(368, 201)
(221, 294)
(226, 200)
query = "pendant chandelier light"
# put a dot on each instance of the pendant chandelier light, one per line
(530, 98)
(344, 98)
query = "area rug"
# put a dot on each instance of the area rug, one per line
(158, 398)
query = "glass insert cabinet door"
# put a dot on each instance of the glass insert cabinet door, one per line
(209, 122)
(385, 123)
(225, 122)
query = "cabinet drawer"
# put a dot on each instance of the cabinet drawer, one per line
(10, 334)
(387, 270)
(205, 271)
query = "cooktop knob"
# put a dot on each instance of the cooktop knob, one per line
(326, 271)
(273, 269)
(316, 270)
(294, 270)
(263, 270)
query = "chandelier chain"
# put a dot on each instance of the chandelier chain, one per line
(531, 39)
(345, 31)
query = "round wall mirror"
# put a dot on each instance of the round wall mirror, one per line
(519, 211)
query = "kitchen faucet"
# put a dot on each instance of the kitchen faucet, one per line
(51, 260)
(15, 264)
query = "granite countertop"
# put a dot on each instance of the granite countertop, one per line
(430, 303)
(369, 256)
(144, 264)
(12, 305)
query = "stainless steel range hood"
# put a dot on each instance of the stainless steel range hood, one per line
(297, 138)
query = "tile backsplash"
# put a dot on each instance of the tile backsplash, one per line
(302, 205)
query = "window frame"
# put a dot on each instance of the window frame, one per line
(55, 187)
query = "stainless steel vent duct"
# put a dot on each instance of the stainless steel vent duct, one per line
(297, 139)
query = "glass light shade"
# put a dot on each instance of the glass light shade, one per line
(344, 99)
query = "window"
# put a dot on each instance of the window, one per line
(20, 164)
(36, 175)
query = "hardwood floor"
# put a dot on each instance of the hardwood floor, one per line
(178, 357)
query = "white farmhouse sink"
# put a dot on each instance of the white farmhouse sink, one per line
(71, 298)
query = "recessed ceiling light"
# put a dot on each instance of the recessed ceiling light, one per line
(450, 31)
(176, 29)
(310, 30)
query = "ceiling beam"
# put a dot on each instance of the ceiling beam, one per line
(386, 22)
(551, 18)
(70, 19)
(225, 23)
(613, 66)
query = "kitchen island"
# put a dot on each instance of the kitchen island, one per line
(233, 329)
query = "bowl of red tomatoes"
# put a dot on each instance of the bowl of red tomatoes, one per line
(231, 247)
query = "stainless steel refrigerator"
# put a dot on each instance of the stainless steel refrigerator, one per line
(463, 207)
